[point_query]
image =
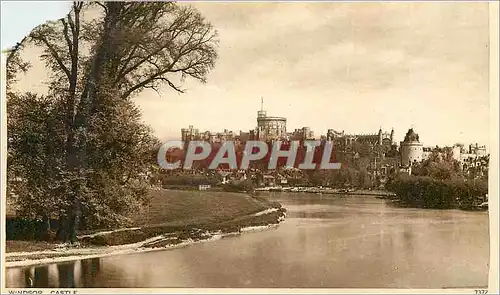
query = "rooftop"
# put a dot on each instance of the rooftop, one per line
(411, 136)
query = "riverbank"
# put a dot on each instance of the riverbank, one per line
(173, 219)
(327, 190)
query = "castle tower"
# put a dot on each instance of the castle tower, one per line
(268, 127)
(380, 136)
(411, 149)
(392, 136)
(261, 113)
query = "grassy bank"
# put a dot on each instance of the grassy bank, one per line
(174, 216)
(196, 207)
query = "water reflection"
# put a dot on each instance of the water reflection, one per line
(329, 242)
(75, 274)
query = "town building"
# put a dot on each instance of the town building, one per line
(364, 150)
(189, 134)
(304, 133)
(473, 158)
(477, 150)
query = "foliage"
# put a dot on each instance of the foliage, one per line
(81, 152)
(35, 146)
(344, 177)
(427, 192)
(239, 186)
(189, 179)
(15, 64)
(118, 160)
(146, 44)
(438, 166)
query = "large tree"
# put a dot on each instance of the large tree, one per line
(439, 165)
(99, 56)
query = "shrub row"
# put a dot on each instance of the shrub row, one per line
(427, 192)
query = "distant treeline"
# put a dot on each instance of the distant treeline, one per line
(427, 192)
(190, 180)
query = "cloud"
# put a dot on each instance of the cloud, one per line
(350, 66)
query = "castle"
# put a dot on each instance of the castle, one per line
(381, 138)
(377, 151)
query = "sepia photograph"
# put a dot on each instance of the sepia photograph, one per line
(249, 147)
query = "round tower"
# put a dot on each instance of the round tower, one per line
(411, 149)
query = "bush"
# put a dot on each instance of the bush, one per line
(18, 228)
(427, 192)
(242, 186)
(189, 179)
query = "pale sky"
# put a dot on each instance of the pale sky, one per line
(347, 66)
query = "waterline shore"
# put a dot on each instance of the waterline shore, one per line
(201, 217)
(159, 243)
(326, 190)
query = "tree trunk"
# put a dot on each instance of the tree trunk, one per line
(62, 229)
(69, 224)
(89, 102)
(74, 222)
(45, 230)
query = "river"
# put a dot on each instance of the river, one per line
(327, 241)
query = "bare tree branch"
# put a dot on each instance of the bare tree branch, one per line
(66, 35)
(103, 6)
(53, 53)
